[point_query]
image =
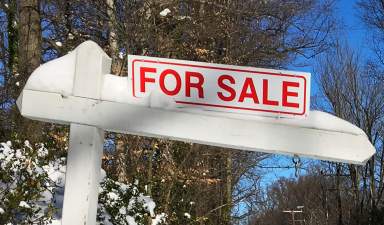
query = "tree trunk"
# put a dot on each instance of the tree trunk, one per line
(29, 53)
(338, 190)
(112, 39)
(12, 42)
(29, 38)
(228, 189)
(353, 171)
(120, 159)
(372, 187)
(150, 167)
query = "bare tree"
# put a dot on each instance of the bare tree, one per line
(372, 14)
(182, 177)
(354, 93)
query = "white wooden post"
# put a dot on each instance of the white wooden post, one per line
(86, 142)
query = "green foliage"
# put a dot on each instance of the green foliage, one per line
(25, 188)
(121, 204)
(32, 180)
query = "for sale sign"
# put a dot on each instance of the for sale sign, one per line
(219, 87)
(190, 84)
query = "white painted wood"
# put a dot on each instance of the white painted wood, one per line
(91, 64)
(86, 142)
(303, 137)
(82, 175)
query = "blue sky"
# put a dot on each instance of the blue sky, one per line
(352, 30)
(354, 33)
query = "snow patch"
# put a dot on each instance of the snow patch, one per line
(103, 175)
(113, 196)
(116, 89)
(160, 218)
(148, 204)
(24, 205)
(55, 76)
(165, 12)
(123, 210)
(183, 17)
(42, 152)
(130, 220)
(55, 222)
(121, 55)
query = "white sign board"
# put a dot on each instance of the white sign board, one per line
(76, 90)
(219, 87)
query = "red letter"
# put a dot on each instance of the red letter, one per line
(266, 101)
(244, 94)
(162, 79)
(143, 79)
(232, 93)
(198, 85)
(286, 94)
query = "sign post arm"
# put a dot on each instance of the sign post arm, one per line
(190, 116)
(86, 142)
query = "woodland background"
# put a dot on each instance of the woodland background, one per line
(214, 185)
